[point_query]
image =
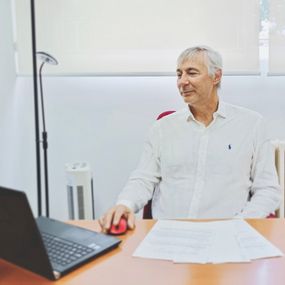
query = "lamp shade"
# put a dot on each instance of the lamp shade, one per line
(47, 58)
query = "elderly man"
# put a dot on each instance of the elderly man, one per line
(209, 160)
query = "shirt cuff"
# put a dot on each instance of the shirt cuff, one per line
(251, 215)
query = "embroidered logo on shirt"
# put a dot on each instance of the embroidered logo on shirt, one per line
(229, 146)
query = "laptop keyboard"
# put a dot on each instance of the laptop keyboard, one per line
(64, 252)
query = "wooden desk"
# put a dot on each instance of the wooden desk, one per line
(119, 267)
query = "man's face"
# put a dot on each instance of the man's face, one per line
(193, 81)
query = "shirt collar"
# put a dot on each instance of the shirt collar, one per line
(221, 111)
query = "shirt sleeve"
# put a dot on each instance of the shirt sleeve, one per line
(141, 183)
(265, 189)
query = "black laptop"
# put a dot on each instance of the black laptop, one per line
(45, 246)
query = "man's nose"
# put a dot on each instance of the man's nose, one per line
(184, 80)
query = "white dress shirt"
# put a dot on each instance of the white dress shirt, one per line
(206, 172)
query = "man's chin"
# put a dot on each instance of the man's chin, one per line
(188, 100)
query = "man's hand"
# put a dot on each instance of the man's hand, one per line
(114, 215)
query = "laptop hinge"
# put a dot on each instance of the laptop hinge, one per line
(56, 274)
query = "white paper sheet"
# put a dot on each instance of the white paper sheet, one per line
(205, 242)
(172, 239)
(253, 243)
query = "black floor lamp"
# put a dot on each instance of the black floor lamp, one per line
(45, 58)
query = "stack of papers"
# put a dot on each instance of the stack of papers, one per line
(205, 242)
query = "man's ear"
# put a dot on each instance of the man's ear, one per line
(217, 76)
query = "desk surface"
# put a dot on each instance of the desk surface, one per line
(119, 267)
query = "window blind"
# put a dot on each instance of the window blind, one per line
(276, 59)
(137, 36)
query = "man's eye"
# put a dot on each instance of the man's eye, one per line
(178, 75)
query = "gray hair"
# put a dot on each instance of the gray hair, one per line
(213, 59)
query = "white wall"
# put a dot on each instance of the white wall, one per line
(7, 69)
(7, 81)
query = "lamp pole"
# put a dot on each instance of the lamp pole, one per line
(36, 109)
(44, 143)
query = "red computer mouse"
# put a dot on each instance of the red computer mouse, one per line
(119, 229)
